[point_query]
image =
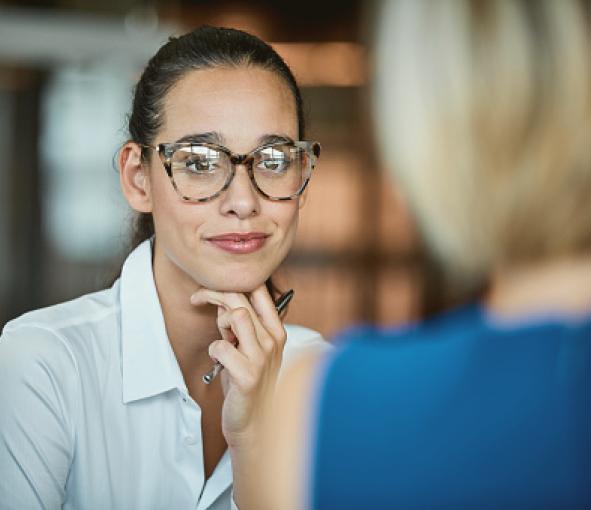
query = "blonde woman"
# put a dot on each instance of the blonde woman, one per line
(484, 116)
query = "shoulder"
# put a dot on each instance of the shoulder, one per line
(69, 322)
(32, 355)
(52, 340)
(301, 340)
(301, 336)
(86, 309)
(390, 358)
(445, 330)
(40, 381)
(281, 481)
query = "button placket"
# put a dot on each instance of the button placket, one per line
(191, 419)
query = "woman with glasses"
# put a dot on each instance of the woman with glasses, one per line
(484, 117)
(147, 395)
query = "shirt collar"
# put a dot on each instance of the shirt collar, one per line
(149, 366)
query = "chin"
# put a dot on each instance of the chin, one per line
(242, 278)
(241, 285)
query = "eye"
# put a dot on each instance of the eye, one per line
(198, 161)
(274, 165)
(273, 161)
(201, 164)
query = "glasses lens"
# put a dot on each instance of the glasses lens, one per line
(199, 171)
(281, 171)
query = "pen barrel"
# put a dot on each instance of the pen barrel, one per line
(211, 375)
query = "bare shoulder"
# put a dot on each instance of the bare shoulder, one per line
(284, 478)
(300, 375)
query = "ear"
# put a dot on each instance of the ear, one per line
(134, 178)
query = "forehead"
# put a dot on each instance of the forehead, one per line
(240, 104)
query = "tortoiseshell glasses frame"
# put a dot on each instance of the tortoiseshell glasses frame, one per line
(207, 167)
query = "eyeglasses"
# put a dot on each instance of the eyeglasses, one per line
(201, 171)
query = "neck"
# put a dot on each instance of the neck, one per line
(190, 329)
(558, 287)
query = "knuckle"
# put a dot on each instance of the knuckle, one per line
(220, 348)
(223, 319)
(274, 343)
(241, 314)
(282, 337)
(267, 343)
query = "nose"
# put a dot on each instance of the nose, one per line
(240, 198)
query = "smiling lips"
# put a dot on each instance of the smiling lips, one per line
(239, 243)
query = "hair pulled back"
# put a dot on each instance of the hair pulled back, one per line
(203, 48)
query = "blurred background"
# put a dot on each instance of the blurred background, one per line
(66, 72)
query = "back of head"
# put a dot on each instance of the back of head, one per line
(484, 117)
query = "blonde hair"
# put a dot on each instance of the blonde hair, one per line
(483, 111)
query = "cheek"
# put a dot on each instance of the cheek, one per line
(168, 208)
(288, 218)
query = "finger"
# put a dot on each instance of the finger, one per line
(274, 335)
(225, 300)
(266, 310)
(229, 301)
(239, 322)
(236, 365)
(270, 332)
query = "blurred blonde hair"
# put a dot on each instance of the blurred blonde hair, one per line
(483, 111)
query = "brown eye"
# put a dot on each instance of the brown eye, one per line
(273, 161)
(274, 165)
(201, 165)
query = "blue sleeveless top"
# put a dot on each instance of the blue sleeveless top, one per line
(456, 413)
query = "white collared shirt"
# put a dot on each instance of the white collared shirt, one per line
(94, 411)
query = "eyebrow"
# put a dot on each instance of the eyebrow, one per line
(267, 139)
(216, 138)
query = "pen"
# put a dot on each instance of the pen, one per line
(280, 304)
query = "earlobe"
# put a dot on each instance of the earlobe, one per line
(134, 180)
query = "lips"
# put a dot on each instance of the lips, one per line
(239, 243)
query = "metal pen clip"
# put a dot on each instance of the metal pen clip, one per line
(280, 304)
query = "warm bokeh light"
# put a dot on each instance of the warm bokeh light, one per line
(334, 64)
(331, 212)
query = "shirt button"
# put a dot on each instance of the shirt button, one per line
(190, 440)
